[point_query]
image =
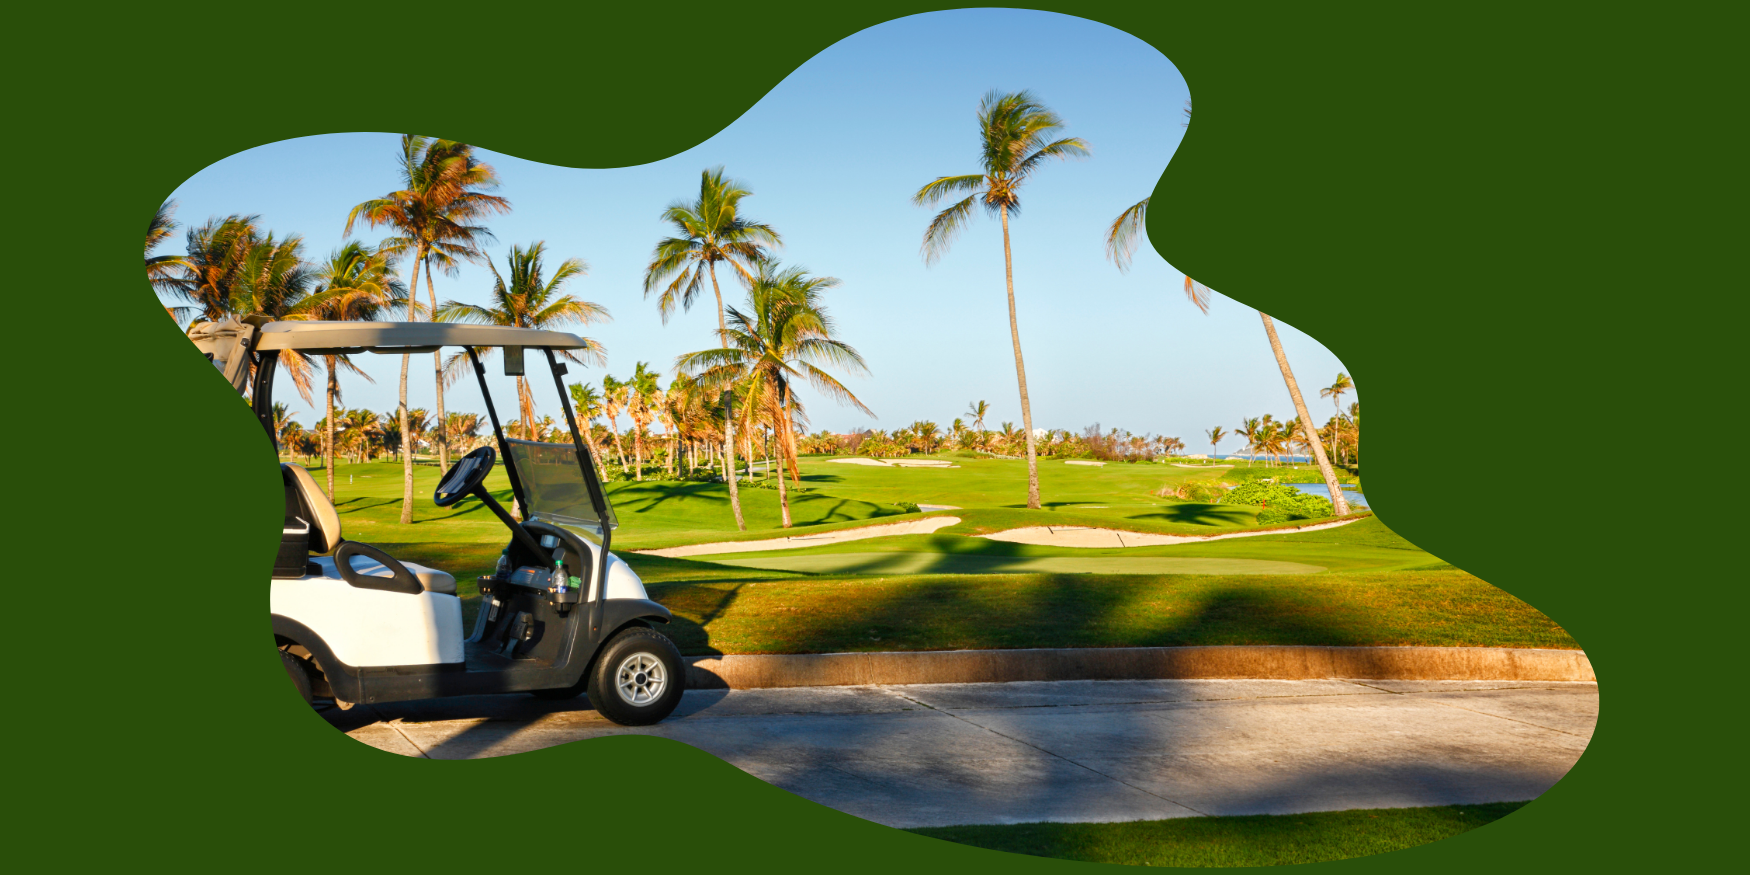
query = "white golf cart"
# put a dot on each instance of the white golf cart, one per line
(561, 616)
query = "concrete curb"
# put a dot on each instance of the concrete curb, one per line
(742, 672)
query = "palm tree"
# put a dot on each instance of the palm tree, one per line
(1339, 505)
(1215, 436)
(1250, 429)
(1126, 230)
(1335, 393)
(781, 338)
(443, 192)
(1015, 138)
(710, 231)
(168, 274)
(214, 264)
(528, 300)
(614, 399)
(643, 395)
(978, 410)
(357, 283)
(275, 281)
(586, 405)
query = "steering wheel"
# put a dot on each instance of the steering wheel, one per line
(464, 477)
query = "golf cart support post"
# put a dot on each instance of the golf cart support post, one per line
(526, 637)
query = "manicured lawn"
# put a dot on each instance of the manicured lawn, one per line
(951, 590)
(758, 613)
(1262, 840)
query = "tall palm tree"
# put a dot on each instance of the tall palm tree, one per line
(614, 399)
(586, 405)
(1250, 429)
(978, 410)
(357, 283)
(443, 192)
(784, 336)
(710, 230)
(529, 300)
(275, 281)
(1121, 238)
(643, 396)
(1338, 503)
(1335, 392)
(1215, 436)
(1015, 134)
(216, 251)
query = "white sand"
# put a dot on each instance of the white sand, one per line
(1078, 536)
(860, 460)
(1083, 462)
(914, 527)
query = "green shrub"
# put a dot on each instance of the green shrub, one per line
(1277, 497)
(1272, 516)
(907, 507)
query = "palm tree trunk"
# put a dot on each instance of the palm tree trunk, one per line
(328, 430)
(1020, 369)
(437, 367)
(1338, 503)
(728, 417)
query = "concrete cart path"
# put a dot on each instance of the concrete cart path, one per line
(945, 754)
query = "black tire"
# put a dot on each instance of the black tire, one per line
(605, 691)
(300, 677)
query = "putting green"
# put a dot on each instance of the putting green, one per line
(950, 563)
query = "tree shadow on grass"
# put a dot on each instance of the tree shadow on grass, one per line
(1224, 516)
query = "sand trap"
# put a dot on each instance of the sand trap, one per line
(914, 527)
(934, 507)
(859, 460)
(959, 563)
(1079, 536)
(1083, 462)
(896, 463)
(1177, 465)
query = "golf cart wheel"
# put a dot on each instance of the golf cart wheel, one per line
(638, 678)
(300, 677)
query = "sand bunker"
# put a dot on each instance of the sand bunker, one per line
(1080, 536)
(895, 463)
(960, 563)
(925, 526)
(1084, 462)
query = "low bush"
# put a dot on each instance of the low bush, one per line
(1276, 498)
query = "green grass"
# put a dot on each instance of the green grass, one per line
(1260, 840)
(754, 611)
(952, 590)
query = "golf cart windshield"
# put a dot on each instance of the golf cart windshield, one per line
(556, 490)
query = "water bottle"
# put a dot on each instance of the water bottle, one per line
(503, 572)
(559, 578)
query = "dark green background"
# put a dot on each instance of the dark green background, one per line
(1501, 219)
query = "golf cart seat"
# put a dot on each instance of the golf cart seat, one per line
(324, 535)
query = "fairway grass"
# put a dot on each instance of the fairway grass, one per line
(1259, 840)
(895, 562)
(955, 590)
(754, 614)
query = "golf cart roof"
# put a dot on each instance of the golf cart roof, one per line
(405, 336)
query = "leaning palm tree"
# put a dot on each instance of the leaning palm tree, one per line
(1339, 505)
(710, 230)
(614, 392)
(1127, 230)
(1250, 429)
(356, 284)
(785, 335)
(1015, 134)
(529, 300)
(1335, 393)
(1215, 436)
(443, 192)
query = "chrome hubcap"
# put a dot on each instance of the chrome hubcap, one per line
(640, 679)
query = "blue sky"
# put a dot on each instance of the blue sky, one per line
(833, 155)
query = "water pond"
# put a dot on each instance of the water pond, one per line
(1355, 499)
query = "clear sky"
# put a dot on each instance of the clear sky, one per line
(833, 155)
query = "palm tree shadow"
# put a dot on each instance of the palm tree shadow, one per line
(1201, 514)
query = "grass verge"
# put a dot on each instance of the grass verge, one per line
(753, 611)
(1259, 840)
